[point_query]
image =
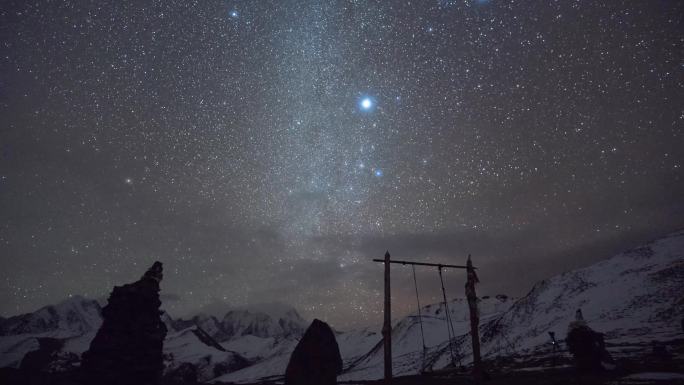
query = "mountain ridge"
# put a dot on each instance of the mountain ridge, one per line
(634, 297)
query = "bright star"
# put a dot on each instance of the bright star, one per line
(366, 103)
(234, 14)
(378, 172)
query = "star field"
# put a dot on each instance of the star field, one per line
(268, 150)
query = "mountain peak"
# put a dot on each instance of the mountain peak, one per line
(72, 316)
(264, 320)
(155, 272)
(275, 310)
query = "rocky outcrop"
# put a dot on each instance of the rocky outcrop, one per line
(586, 345)
(316, 360)
(128, 346)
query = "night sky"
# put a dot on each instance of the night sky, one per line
(268, 150)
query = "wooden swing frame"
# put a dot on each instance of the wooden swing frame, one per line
(472, 306)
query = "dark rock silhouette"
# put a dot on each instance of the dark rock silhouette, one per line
(128, 346)
(184, 373)
(49, 357)
(316, 360)
(586, 345)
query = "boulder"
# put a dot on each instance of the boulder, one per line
(586, 345)
(316, 359)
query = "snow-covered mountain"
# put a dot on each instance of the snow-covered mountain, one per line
(208, 323)
(266, 334)
(73, 321)
(407, 340)
(208, 346)
(353, 345)
(264, 320)
(192, 355)
(71, 317)
(634, 298)
(202, 347)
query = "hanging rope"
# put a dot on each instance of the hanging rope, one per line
(447, 318)
(453, 331)
(420, 319)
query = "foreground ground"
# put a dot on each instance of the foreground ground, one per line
(553, 377)
(638, 369)
(546, 377)
(628, 371)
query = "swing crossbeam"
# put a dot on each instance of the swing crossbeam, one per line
(439, 265)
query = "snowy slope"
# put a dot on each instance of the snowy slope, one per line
(254, 348)
(407, 351)
(361, 350)
(633, 297)
(75, 320)
(187, 346)
(71, 317)
(352, 344)
(13, 349)
(264, 320)
(276, 353)
(263, 334)
(356, 343)
(213, 347)
(208, 323)
(272, 365)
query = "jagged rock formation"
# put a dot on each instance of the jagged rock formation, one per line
(316, 360)
(128, 347)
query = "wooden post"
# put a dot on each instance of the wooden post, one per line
(387, 326)
(474, 320)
